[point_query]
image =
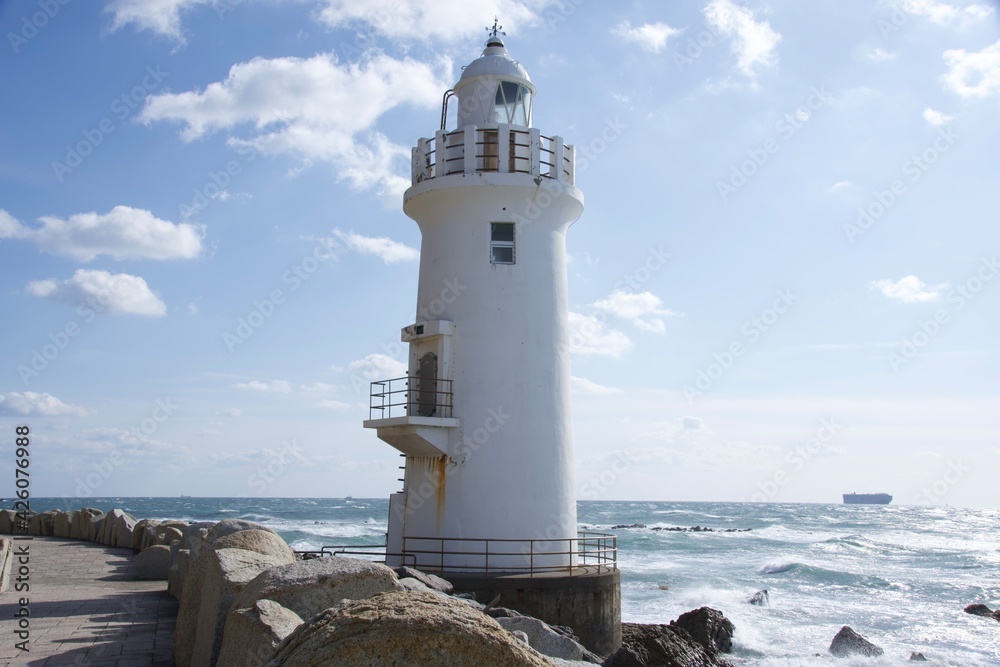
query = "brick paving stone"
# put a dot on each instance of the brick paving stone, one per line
(88, 608)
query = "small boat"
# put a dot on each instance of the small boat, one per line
(867, 498)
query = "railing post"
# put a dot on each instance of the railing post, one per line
(440, 153)
(503, 148)
(570, 165)
(536, 151)
(469, 149)
(558, 155)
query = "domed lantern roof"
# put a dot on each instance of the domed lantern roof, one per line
(494, 88)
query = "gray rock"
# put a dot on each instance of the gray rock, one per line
(760, 599)
(193, 534)
(308, 587)
(124, 525)
(979, 610)
(848, 642)
(917, 657)
(543, 638)
(252, 636)
(153, 563)
(225, 574)
(144, 534)
(431, 581)
(85, 524)
(403, 629)
(709, 627)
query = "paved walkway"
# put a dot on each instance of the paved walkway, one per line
(88, 609)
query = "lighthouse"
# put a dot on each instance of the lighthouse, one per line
(482, 419)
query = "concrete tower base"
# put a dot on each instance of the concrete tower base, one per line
(589, 601)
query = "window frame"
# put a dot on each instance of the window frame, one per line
(496, 244)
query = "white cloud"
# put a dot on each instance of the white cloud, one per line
(880, 55)
(590, 335)
(103, 292)
(319, 387)
(330, 404)
(432, 20)
(585, 386)
(273, 387)
(974, 74)
(645, 309)
(384, 248)
(839, 185)
(378, 366)
(122, 233)
(753, 42)
(31, 404)
(937, 118)
(908, 289)
(945, 14)
(650, 37)
(232, 412)
(160, 16)
(314, 109)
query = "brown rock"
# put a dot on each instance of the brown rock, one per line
(709, 627)
(665, 646)
(153, 563)
(258, 541)
(848, 642)
(403, 629)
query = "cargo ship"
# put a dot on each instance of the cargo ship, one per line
(867, 498)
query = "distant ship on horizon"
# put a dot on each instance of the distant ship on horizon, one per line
(867, 498)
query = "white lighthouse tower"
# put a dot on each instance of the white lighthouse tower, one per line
(483, 415)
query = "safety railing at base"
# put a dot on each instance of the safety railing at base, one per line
(587, 553)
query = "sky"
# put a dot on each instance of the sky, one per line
(783, 287)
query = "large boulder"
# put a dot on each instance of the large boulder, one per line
(543, 638)
(153, 563)
(64, 523)
(43, 524)
(403, 629)
(144, 534)
(848, 642)
(259, 541)
(7, 519)
(623, 657)
(224, 574)
(252, 636)
(124, 523)
(168, 535)
(86, 523)
(980, 610)
(193, 534)
(201, 560)
(665, 646)
(709, 627)
(760, 599)
(178, 572)
(308, 587)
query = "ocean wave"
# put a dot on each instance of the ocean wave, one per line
(822, 575)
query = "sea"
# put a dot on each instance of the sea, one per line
(899, 575)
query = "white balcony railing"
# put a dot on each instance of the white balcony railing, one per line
(495, 148)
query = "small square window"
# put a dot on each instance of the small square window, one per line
(502, 242)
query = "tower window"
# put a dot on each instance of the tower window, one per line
(502, 242)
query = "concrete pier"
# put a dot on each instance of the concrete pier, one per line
(87, 608)
(589, 601)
